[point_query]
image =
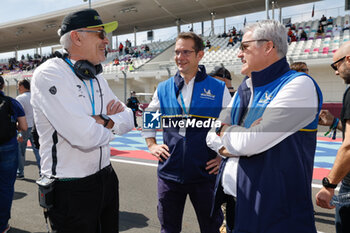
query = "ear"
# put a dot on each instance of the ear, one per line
(200, 54)
(347, 59)
(269, 46)
(75, 37)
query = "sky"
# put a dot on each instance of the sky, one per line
(13, 10)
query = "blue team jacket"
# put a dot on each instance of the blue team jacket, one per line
(189, 153)
(274, 187)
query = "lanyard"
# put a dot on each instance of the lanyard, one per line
(92, 96)
(183, 104)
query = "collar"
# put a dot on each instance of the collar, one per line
(271, 73)
(179, 80)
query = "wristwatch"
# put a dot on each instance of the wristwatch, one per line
(327, 184)
(105, 118)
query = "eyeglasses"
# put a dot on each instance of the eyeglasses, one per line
(185, 53)
(334, 64)
(304, 70)
(243, 46)
(102, 33)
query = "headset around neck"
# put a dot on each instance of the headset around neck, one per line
(83, 69)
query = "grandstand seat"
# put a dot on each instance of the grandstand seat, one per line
(325, 50)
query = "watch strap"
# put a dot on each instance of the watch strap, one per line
(105, 118)
(327, 184)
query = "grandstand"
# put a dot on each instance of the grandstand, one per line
(316, 52)
(148, 69)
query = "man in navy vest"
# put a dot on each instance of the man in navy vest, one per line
(269, 138)
(341, 167)
(189, 103)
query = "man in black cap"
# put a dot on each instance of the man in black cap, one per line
(223, 74)
(77, 115)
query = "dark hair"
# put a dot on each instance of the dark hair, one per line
(298, 66)
(25, 83)
(220, 71)
(198, 42)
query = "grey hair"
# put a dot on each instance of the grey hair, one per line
(270, 30)
(66, 41)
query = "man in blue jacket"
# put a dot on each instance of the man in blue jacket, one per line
(189, 102)
(269, 137)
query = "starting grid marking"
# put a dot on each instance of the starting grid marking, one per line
(326, 149)
(133, 141)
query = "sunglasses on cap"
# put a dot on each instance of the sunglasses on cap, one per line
(101, 33)
(334, 64)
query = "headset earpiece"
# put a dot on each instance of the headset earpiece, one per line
(83, 68)
(98, 69)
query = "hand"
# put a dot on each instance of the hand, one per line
(224, 152)
(256, 122)
(213, 165)
(323, 198)
(159, 151)
(114, 107)
(20, 139)
(325, 118)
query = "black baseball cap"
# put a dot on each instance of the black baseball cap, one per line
(220, 71)
(87, 18)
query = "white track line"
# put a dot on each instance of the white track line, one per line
(135, 162)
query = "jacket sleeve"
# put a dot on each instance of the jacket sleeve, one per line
(57, 99)
(213, 140)
(123, 121)
(294, 107)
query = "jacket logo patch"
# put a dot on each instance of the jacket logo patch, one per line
(207, 94)
(266, 98)
(81, 94)
(53, 90)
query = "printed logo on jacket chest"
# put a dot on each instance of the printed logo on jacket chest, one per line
(265, 99)
(206, 94)
(80, 92)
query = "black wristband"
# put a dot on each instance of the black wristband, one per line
(334, 123)
(105, 118)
